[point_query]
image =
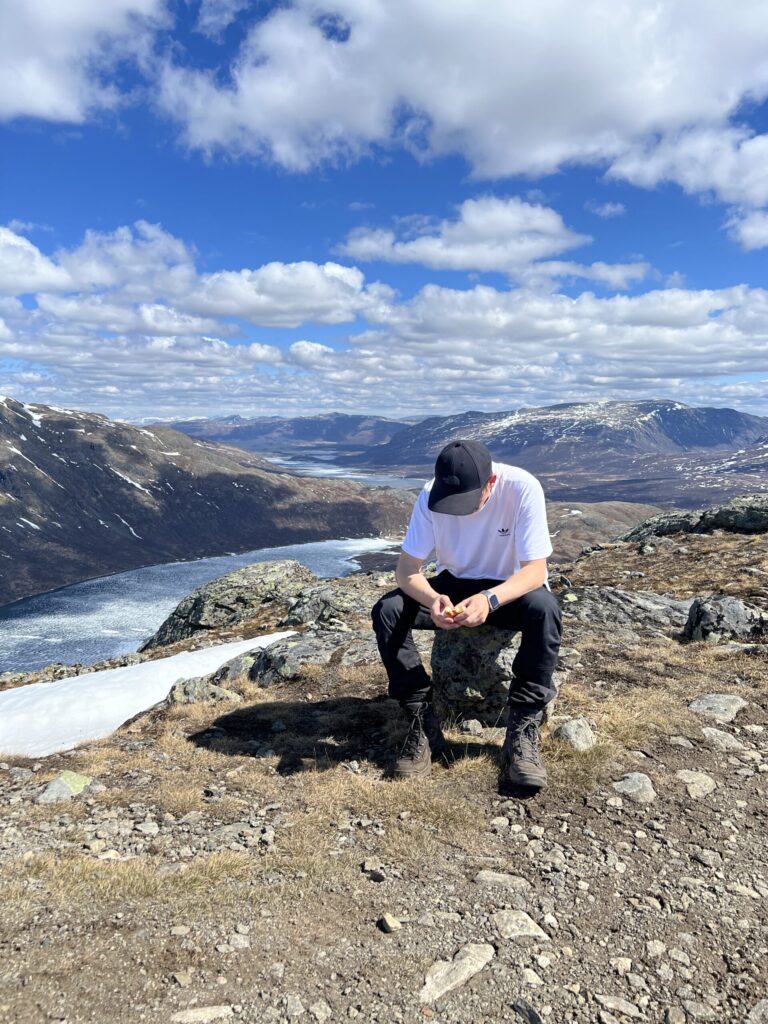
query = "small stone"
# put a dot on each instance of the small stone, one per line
(698, 784)
(471, 727)
(531, 978)
(180, 929)
(294, 1006)
(674, 1015)
(516, 924)
(637, 787)
(681, 741)
(147, 828)
(96, 845)
(526, 1012)
(759, 1013)
(717, 739)
(67, 785)
(388, 923)
(321, 1011)
(700, 1011)
(202, 1014)
(503, 880)
(618, 1005)
(183, 978)
(446, 975)
(721, 707)
(237, 941)
(577, 734)
(654, 949)
(622, 965)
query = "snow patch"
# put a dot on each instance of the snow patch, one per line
(29, 523)
(129, 527)
(43, 718)
(128, 479)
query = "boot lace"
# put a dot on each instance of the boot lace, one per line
(414, 737)
(523, 739)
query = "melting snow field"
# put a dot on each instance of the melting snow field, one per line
(45, 717)
(111, 615)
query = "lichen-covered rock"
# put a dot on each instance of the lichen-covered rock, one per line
(327, 604)
(231, 598)
(633, 609)
(290, 658)
(199, 689)
(472, 672)
(576, 733)
(715, 618)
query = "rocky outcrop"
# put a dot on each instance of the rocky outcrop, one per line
(633, 609)
(745, 514)
(230, 599)
(717, 618)
(472, 672)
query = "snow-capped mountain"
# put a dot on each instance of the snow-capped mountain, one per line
(82, 496)
(655, 451)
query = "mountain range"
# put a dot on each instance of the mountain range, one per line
(275, 433)
(658, 452)
(82, 495)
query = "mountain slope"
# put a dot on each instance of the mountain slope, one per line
(82, 496)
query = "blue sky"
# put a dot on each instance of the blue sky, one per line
(214, 206)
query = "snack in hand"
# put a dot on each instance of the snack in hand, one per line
(451, 613)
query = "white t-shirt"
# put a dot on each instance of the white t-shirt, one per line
(488, 544)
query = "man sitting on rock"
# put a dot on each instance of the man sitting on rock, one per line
(486, 523)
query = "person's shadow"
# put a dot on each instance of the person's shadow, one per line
(318, 735)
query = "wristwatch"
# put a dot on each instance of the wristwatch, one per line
(493, 601)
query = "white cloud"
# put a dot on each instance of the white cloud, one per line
(524, 88)
(750, 230)
(133, 321)
(605, 210)
(56, 58)
(489, 234)
(217, 15)
(24, 269)
(285, 294)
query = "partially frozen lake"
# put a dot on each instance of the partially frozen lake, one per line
(111, 615)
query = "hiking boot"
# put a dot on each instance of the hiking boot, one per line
(521, 760)
(415, 759)
(434, 733)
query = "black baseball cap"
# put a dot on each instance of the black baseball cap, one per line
(462, 470)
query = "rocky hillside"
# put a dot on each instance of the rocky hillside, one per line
(236, 853)
(653, 451)
(82, 495)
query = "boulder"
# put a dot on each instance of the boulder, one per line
(716, 618)
(472, 672)
(65, 786)
(230, 599)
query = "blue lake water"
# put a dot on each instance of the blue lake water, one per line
(112, 615)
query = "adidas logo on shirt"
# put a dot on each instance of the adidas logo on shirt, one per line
(504, 531)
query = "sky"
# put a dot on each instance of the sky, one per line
(399, 207)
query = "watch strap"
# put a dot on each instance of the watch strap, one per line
(493, 601)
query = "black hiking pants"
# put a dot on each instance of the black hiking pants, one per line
(535, 615)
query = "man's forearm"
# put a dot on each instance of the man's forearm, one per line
(529, 578)
(416, 585)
